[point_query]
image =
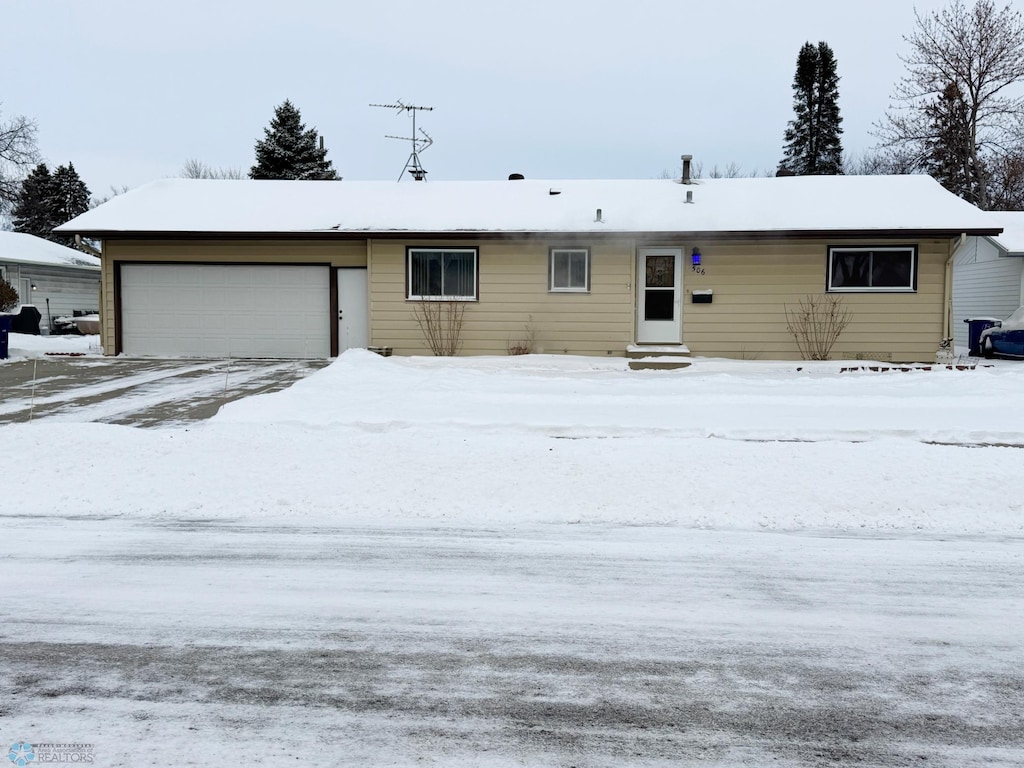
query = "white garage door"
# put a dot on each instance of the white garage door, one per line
(208, 310)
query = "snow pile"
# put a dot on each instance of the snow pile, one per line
(538, 439)
(22, 345)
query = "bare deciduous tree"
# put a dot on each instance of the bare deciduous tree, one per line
(197, 169)
(880, 162)
(975, 54)
(114, 192)
(17, 154)
(1006, 183)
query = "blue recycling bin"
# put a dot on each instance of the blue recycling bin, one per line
(975, 325)
(6, 321)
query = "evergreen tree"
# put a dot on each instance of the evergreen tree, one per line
(32, 203)
(290, 151)
(949, 156)
(813, 144)
(48, 200)
(70, 199)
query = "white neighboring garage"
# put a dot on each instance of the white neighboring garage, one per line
(225, 310)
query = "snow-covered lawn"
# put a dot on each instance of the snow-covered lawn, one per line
(529, 561)
(547, 439)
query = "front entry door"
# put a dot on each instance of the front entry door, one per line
(658, 303)
(353, 323)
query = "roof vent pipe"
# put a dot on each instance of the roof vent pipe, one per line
(689, 196)
(687, 160)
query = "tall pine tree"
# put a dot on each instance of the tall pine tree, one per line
(48, 200)
(32, 203)
(951, 158)
(70, 195)
(813, 145)
(289, 150)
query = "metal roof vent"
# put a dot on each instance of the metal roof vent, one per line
(516, 177)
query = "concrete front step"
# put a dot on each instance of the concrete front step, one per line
(659, 357)
(636, 351)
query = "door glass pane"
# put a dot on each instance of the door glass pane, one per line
(658, 305)
(661, 271)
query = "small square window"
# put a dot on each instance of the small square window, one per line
(892, 269)
(569, 270)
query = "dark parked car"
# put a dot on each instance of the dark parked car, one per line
(1006, 339)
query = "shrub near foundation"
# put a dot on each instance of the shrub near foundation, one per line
(816, 323)
(8, 296)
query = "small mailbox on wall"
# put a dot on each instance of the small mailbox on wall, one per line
(702, 296)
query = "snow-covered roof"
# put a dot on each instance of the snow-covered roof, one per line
(1012, 238)
(787, 204)
(19, 248)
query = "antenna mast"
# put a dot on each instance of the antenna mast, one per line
(418, 144)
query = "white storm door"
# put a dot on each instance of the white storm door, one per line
(659, 296)
(353, 320)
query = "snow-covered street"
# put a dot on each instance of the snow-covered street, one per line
(528, 561)
(542, 645)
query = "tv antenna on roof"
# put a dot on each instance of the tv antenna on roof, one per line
(418, 144)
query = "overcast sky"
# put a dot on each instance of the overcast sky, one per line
(128, 90)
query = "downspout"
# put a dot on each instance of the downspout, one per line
(84, 246)
(947, 296)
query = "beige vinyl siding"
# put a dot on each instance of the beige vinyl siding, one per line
(513, 293)
(337, 253)
(752, 282)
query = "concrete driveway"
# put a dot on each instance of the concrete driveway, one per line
(136, 392)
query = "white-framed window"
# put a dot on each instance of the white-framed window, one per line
(569, 269)
(886, 268)
(443, 274)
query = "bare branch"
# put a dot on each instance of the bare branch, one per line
(959, 103)
(197, 169)
(17, 154)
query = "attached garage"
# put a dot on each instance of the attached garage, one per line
(225, 310)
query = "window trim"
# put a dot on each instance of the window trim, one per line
(833, 249)
(412, 249)
(552, 288)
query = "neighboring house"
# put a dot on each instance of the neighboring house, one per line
(311, 268)
(988, 274)
(55, 279)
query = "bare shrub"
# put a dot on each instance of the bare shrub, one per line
(524, 344)
(441, 324)
(816, 323)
